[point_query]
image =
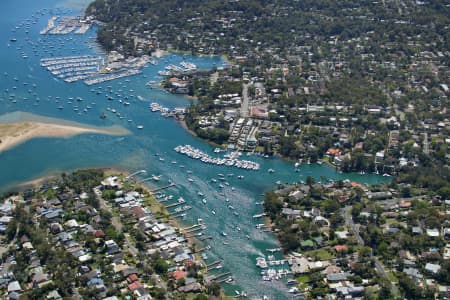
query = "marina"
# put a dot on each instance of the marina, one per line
(92, 69)
(230, 160)
(66, 25)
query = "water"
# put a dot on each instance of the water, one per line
(27, 87)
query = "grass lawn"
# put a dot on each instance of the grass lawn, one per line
(392, 277)
(321, 254)
(154, 205)
(303, 281)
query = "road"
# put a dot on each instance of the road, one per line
(426, 144)
(244, 105)
(115, 221)
(133, 250)
(346, 213)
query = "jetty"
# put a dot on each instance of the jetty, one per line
(213, 264)
(162, 187)
(217, 277)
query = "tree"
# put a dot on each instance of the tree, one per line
(213, 289)
(160, 266)
(310, 181)
(11, 230)
(201, 297)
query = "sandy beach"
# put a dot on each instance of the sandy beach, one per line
(15, 133)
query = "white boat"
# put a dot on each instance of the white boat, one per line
(140, 127)
(261, 262)
(156, 177)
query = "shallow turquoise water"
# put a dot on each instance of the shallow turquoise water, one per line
(44, 156)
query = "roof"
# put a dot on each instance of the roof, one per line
(340, 248)
(405, 204)
(433, 268)
(135, 285)
(334, 151)
(132, 278)
(337, 276)
(14, 286)
(417, 229)
(434, 232)
(179, 274)
(413, 272)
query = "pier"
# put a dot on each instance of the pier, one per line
(218, 277)
(135, 173)
(162, 188)
(213, 264)
(173, 205)
(193, 228)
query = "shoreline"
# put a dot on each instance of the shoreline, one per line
(108, 171)
(185, 127)
(54, 175)
(171, 219)
(192, 242)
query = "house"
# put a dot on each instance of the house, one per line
(299, 265)
(447, 233)
(333, 152)
(432, 268)
(433, 232)
(135, 285)
(379, 195)
(111, 247)
(132, 278)
(291, 213)
(110, 182)
(53, 295)
(14, 286)
(179, 274)
(413, 273)
(342, 235)
(193, 287)
(14, 296)
(337, 277)
(416, 230)
(446, 254)
(341, 248)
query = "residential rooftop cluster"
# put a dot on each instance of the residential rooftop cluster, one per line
(344, 239)
(94, 237)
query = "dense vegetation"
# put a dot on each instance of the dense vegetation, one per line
(262, 24)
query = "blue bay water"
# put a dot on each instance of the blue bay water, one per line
(27, 87)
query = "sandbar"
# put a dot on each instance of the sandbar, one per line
(15, 133)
